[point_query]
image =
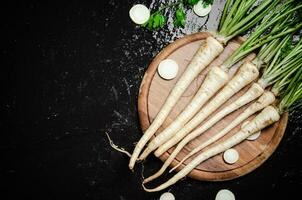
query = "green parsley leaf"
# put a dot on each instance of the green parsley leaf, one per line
(180, 18)
(191, 2)
(158, 21)
(286, 49)
(206, 3)
(155, 22)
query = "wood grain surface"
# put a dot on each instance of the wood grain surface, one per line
(154, 90)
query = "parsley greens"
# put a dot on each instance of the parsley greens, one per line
(206, 3)
(180, 18)
(191, 2)
(157, 20)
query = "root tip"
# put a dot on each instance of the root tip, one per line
(131, 166)
(157, 153)
(146, 189)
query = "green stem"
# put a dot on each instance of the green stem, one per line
(268, 49)
(229, 18)
(241, 52)
(280, 72)
(292, 95)
(260, 10)
(277, 28)
(238, 15)
(268, 57)
(246, 8)
(224, 14)
(281, 84)
(268, 21)
(278, 68)
(252, 43)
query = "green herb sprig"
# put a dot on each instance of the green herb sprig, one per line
(206, 3)
(157, 19)
(180, 17)
(191, 2)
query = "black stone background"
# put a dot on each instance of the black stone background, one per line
(70, 71)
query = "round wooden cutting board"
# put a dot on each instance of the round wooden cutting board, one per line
(154, 90)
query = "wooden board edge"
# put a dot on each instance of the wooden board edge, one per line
(245, 169)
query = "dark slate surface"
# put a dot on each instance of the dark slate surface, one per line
(70, 71)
